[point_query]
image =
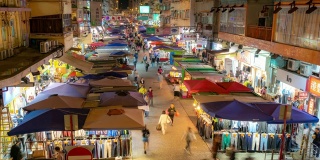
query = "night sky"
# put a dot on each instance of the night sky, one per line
(123, 4)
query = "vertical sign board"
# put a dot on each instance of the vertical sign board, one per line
(151, 30)
(282, 112)
(96, 13)
(67, 122)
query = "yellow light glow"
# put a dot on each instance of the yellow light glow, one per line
(198, 108)
(194, 104)
(174, 68)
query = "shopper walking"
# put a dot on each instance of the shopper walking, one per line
(143, 90)
(59, 154)
(136, 75)
(146, 110)
(316, 142)
(171, 111)
(176, 91)
(15, 151)
(145, 58)
(189, 136)
(153, 60)
(142, 81)
(145, 139)
(150, 95)
(160, 80)
(147, 66)
(160, 71)
(163, 121)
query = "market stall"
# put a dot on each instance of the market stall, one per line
(191, 87)
(174, 74)
(250, 120)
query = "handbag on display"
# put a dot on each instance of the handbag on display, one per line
(158, 127)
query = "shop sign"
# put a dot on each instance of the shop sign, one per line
(303, 95)
(151, 30)
(96, 13)
(292, 79)
(167, 30)
(189, 36)
(311, 106)
(11, 93)
(260, 62)
(159, 31)
(174, 30)
(143, 18)
(314, 86)
(245, 57)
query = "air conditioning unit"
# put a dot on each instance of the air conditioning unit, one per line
(305, 69)
(10, 52)
(293, 65)
(315, 68)
(3, 55)
(44, 47)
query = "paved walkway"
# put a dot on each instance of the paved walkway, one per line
(171, 145)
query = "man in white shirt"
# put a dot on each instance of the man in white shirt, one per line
(176, 91)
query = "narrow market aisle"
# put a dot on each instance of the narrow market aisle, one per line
(171, 145)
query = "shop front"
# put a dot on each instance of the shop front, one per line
(261, 71)
(289, 86)
(243, 71)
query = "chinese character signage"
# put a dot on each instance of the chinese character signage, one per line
(311, 106)
(303, 95)
(189, 36)
(96, 13)
(314, 86)
(151, 30)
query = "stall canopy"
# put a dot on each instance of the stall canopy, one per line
(118, 41)
(297, 116)
(111, 82)
(116, 44)
(154, 39)
(220, 98)
(233, 87)
(105, 75)
(161, 47)
(75, 62)
(125, 99)
(47, 120)
(195, 86)
(235, 110)
(108, 118)
(67, 89)
(46, 101)
(119, 53)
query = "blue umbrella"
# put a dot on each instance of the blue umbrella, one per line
(119, 53)
(154, 39)
(297, 116)
(235, 110)
(48, 120)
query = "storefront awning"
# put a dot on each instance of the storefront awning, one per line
(14, 68)
(83, 65)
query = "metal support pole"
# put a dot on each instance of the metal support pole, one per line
(71, 128)
(281, 157)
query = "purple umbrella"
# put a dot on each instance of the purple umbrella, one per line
(235, 110)
(125, 99)
(67, 89)
(297, 116)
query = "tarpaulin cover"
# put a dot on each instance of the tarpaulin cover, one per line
(142, 28)
(104, 75)
(233, 87)
(111, 82)
(235, 110)
(130, 99)
(118, 41)
(161, 47)
(195, 86)
(67, 89)
(98, 119)
(47, 120)
(49, 101)
(297, 116)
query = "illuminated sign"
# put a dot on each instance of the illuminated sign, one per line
(311, 106)
(144, 9)
(314, 86)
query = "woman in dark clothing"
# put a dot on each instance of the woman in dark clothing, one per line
(15, 152)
